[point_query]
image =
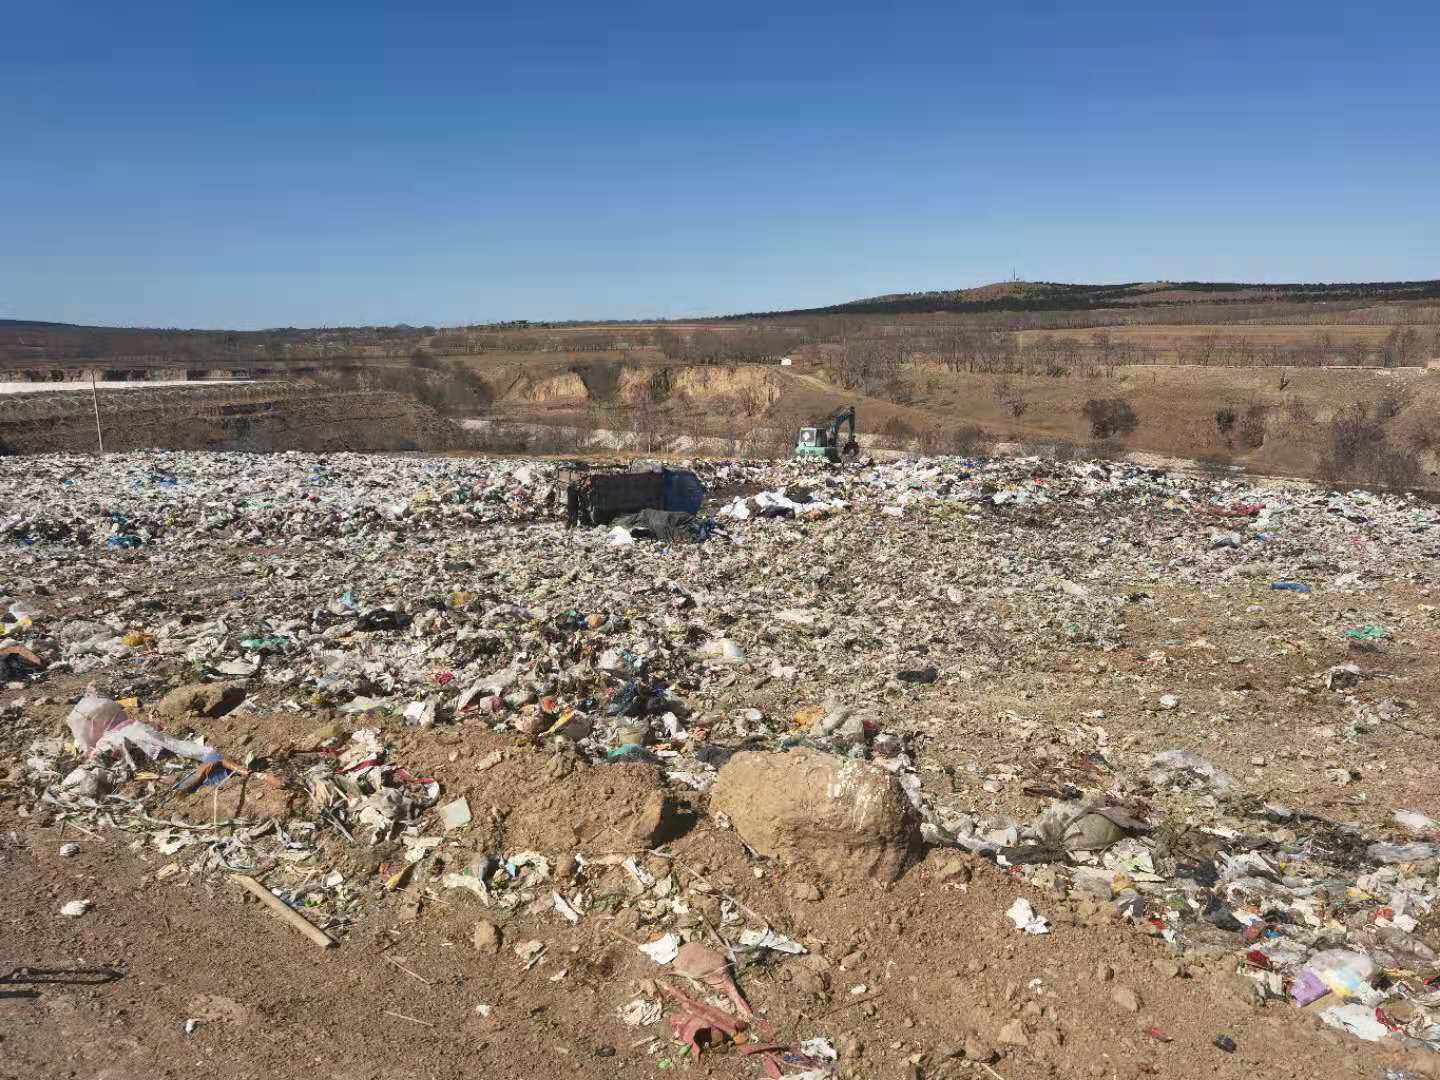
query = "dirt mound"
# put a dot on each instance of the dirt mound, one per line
(554, 804)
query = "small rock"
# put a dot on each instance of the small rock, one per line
(1126, 998)
(1014, 1034)
(1168, 701)
(1104, 972)
(75, 908)
(807, 981)
(1226, 1043)
(486, 937)
(977, 1049)
(804, 890)
(919, 676)
(1417, 1062)
(205, 699)
(951, 868)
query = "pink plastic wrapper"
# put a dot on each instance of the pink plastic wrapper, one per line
(93, 717)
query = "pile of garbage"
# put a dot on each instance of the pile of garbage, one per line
(816, 640)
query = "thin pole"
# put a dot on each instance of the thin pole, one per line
(95, 400)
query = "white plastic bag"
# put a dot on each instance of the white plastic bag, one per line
(92, 717)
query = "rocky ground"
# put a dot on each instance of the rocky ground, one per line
(938, 768)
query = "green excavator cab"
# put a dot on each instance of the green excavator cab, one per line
(808, 444)
(823, 439)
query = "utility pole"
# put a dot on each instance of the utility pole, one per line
(95, 400)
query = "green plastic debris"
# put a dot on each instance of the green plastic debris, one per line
(1368, 632)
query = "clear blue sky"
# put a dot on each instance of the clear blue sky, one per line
(316, 163)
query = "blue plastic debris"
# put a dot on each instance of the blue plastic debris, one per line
(1290, 586)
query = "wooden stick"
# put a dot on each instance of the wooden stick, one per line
(284, 912)
(851, 1004)
(407, 971)
(412, 1019)
(80, 829)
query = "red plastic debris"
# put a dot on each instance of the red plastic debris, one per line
(695, 1019)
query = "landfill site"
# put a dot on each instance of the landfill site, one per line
(391, 767)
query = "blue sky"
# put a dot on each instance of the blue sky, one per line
(267, 164)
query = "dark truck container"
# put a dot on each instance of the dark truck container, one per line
(598, 498)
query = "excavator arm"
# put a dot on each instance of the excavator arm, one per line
(838, 420)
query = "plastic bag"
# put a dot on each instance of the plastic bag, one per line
(1344, 973)
(1171, 766)
(92, 717)
(150, 742)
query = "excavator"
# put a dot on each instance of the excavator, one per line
(823, 439)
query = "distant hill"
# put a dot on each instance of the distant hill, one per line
(1057, 296)
(23, 341)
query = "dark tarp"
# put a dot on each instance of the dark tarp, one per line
(668, 525)
(683, 491)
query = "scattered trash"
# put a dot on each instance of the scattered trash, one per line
(768, 939)
(1183, 767)
(1342, 677)
(1342, 972)
(663, 949)
(641, 1012)
(75, 908)
(455, 815)
(1415, 823)
(707, 967)
(564, 908)
(1357, 1020)
(412, 613)
(1025, 918)
(695, 1018)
